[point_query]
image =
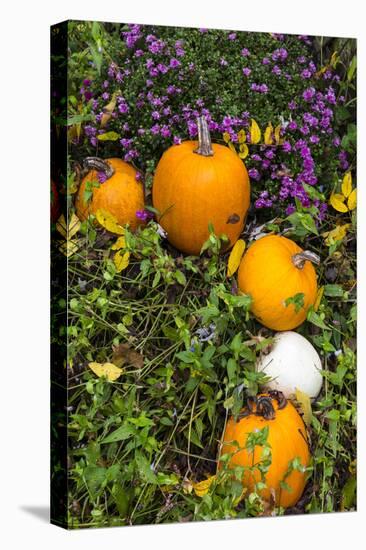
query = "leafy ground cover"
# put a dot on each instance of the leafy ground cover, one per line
(175, 327)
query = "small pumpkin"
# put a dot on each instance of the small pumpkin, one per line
(196, 184)
(281, 280)
(121, 194)
(287, 439)
(292, 363)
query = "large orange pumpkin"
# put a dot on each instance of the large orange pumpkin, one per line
(274, 269)
(196, 184)
(121, 194)
(287, 439)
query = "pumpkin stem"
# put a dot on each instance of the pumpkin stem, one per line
(299, 259)
(204, 139)
(262, 405)
(96, 163)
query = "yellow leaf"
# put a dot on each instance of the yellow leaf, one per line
(110, 371)
(226, 137)
(268, 134)
(277, 132)
(109, 222)
(108, 110)
(347, 184)
(337, 201)
(120, 243)
(61, 226)
(336, 234)
(68, 248)
(319, 297)
(235, 257)
(108, 136)
(334, 59)
(241, 136)
(231, 146)
(121, 261)
(255, 132)
(74, 226)
(305, 405)
(352, 200)
(244, 151)
(201, 488)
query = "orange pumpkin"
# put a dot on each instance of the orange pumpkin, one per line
(287, 439)
(121, 194)
(196, 184)
(274, 269)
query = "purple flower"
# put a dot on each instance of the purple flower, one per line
(306, 73)
(123, 108)
(292, 105)
(286, 146)
(246, 71)
(336, 141)
(87, 82)
(142, 215)
(223, 62)
(139, 53)
(177, 140)
(301, 59)
(276, 70)
(179, 52)
(314, 139)
(308, 94)
(245, 52)
(155, 115)
(174, 63)
(203, 30)
(149, 63)
(280, 54)
(232, 36)
(155, 129)
(257, 157)
(162, 68)
(290, 209)
(105, 84)
(105, 96)
(265, 61)
(263, 88)
(165, 131)
(254, 174)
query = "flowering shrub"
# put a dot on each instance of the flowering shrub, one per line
(156, 81)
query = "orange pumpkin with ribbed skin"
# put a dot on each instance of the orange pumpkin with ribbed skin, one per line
(273, 269)
(287, 439)
(194, 187)
(121, 195)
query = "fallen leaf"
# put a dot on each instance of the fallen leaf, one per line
(347, 184)
(202, 487)
(68, 248)
(337, 201)
(243, 151)
(121, 260)
(120, 243)
(123, 354)
(352, 200)
(235, 257)
(336, 234)
(109, 222)
(241, 136)
(109, 370)
(108, 110)
(277, 134)
(268, 134)
(255, 132)
(319, 297)
(304, 402)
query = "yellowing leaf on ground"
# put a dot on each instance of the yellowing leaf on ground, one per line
(202, 487)
(121, 260)
(109, 222)
(241, 136)
(319, 297)
(268, 134)
(108, 110)
(255, 132)
(347, 184)
(243, 151)
(226, 137)
(120, 243)
(110, 371)
(336, 234)
(352, 200)
(235, 257)
(303, 400)
(277, 134)
(123, 354)
(337, 201)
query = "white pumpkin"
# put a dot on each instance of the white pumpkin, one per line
(292, 363)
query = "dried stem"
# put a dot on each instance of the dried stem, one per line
(204, 139)
(96, 163)
(299, 259)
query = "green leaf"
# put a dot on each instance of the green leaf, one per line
(122, 433)
(78, 119)
(145, 469)
(97, 57)
(315, 319)
(333, 291)
(349, 493)
(352, 68)
(108, 136)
